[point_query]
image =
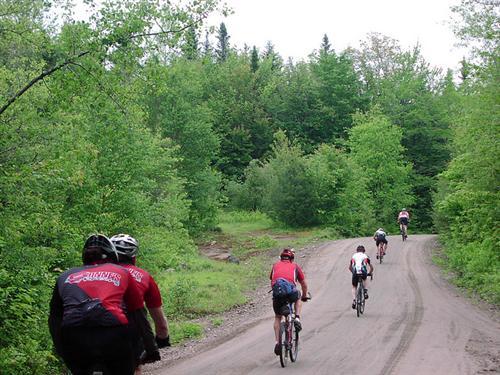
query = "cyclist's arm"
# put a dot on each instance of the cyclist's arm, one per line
(350, 266)
(303, 285)
(154, 303)
(160, 321)
(370, 266)
(55, 319)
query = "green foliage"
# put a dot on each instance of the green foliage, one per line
(181, 331)
(376, 148)
(467, 204)
(340, 194)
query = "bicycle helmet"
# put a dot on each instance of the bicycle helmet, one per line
(403, 209)
(98, 247)
(287, 253)
(125, 245)
(360, 248)
(380, 230)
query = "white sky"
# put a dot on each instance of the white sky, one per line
(296, 27)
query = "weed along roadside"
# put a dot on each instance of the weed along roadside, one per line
(216, 291)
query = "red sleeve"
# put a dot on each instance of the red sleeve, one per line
(132, 298)
(152, 297)
(300, 274)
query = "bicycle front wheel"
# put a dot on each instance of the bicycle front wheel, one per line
(294, 344)
(283, 342)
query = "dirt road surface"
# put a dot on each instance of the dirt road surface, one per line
(414, 323)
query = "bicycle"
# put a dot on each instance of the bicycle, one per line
(289, 336)
(404, 233)
(360, 295)
(403, 230)
(380, 252)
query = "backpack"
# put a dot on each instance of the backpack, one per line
(380, 236)
(282, 288)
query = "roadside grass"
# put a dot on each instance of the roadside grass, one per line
(197, 293)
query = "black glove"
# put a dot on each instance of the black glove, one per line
(162, 343)
(150, 357)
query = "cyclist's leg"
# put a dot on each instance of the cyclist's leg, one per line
(365, 284)
(276, 326)
(277, 304)
(295, 299)
(353, 289)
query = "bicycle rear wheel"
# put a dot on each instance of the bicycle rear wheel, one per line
(359, 293)
(294, 344)
(283, 340)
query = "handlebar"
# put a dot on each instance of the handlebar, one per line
(306, 298)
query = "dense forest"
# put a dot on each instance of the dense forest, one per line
(139, 119)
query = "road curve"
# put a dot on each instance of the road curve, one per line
(414, 323)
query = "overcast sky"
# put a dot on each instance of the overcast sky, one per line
(296, 27)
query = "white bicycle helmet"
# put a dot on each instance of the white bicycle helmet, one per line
(125, 245)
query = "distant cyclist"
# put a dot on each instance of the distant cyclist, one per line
(403, 220)
(92, 310)
(380, 236)
(127, 248)
(360, 265)
(285, 272)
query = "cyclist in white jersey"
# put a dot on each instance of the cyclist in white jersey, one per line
(359, 265)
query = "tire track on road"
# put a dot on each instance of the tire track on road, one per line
(411, 328)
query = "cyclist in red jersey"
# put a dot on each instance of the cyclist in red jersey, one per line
(92, 309)
(403, 220)
(291, 272)
(127, 248)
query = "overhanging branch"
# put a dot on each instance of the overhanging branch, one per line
(38, 78)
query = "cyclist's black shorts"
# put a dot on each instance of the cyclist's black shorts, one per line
(403, 220)
(381, 240)
(280, 303)
(84, 347)
(355, 278)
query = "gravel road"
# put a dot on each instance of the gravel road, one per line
(414, 323)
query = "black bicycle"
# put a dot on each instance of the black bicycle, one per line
(360, 295)
(289, 336)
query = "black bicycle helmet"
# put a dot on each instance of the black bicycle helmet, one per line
(361, 248)
(102, 243)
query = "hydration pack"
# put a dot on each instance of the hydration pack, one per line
(282, 288)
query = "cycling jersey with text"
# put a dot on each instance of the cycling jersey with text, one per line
(98, 295)
(147, 286)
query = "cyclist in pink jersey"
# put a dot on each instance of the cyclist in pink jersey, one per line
(403, 220)
(127, 248)
(291, 272)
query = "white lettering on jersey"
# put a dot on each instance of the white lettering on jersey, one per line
(110, 277)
